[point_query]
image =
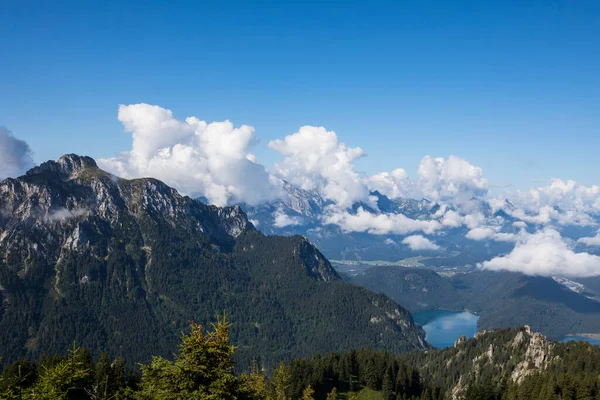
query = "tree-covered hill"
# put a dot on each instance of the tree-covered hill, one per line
(510, 364)
(122, 266)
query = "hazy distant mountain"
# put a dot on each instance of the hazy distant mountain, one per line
(124, 265)
(302, 212)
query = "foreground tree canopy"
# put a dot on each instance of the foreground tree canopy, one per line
(203, 368)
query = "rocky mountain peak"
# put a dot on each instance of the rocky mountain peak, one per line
(82, 248)
(71, 201)
(529, 352)
(74, 162)
(66, 166)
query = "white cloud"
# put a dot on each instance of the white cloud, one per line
(452, 219)
(474, 220)
(545, 253)
(379, 224)
(491, 233)
(63, 214)
(15, 155)
(419, 242)
(451, 181)
(316, 159)
(481, 233)
(393, 184)
(215, 160)
(548, 214)
(566, 194)
(455, 180)
(195, 157)
(564, 201)
(282, 220)
(591, 241)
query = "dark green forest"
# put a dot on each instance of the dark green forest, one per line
(204, 368)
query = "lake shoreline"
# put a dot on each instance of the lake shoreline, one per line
(442, 327)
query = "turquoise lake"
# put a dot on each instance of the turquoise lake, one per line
(443, 327)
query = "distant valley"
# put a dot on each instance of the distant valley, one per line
(502, 299)
(444, 275)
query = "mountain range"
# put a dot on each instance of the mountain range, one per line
(305, 212)
(123, 265)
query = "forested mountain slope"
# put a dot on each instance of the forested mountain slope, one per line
(503, 299)
(124, 265)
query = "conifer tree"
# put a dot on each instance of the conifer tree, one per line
(255, 383)
(332, 395)
(203, 368)
(282, 380)
(308, 393)
(66, 379)
(387, 387)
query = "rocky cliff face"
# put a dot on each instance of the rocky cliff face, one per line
(88, 256)
(491, 356)
(68, 202)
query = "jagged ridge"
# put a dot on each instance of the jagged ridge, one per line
(88, 256)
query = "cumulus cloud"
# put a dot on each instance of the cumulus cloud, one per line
(393, 184)
(195, 157)
(548, 214)
(591, 241)
(449, 181)
(520, 224)
(566, 194)
(454, 179)
(282, 220)
(215, 160)
(491, 233)
(315, 159)
(419, 242)
(563, 201)
(15, 155)
(545, 253)
(379, 224)
(454, 219)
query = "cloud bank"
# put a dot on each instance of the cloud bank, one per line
(379, 224)
(215, 160)
(545, 253)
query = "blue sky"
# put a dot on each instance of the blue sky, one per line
(510, 86)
